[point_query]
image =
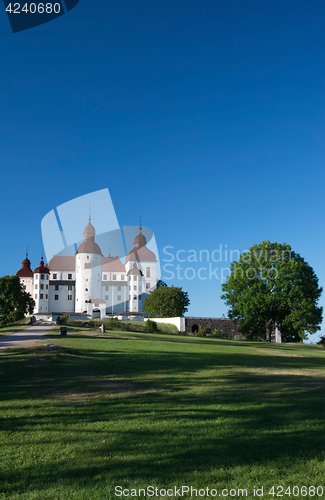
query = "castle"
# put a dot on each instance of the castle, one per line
(90, 283)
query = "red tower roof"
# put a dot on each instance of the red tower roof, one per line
(140, 240)
(42, 269)
(25, 271)
(140, 252)
(89, 245)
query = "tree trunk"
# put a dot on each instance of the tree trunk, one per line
(268, 330)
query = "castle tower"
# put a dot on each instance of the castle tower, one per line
(41, 289)
(88, 270)
(25, 275)
(141, 269)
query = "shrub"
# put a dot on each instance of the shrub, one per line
(64, 319)
(112, 324)
(151, 326)
(202, 332)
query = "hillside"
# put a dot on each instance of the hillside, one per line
(84, 414)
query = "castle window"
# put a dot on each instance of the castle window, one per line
(106, 297)
(69, 297)
(134, 297)
(119, 297)
(118, 288)
(122, 277)
(86, 289)
(139, 297)
(42, 276)
(42, 287)
(105, 277)
(129, 297)
(69, 287)
(135, 287)
(47, 287)
(69, 276)
(87, 265)
(46, 296)
(148, 272)
(114, 277)
(87, 256)
(135, 278)
(147, 286)
(41, 296)
(106, 288)
(55, 276)
(35, 295)
(56, 287)
(56, 297)
(36, 287)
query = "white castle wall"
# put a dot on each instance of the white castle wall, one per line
(88, 279)
(178, 322)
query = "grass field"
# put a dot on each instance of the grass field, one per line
(84, 414)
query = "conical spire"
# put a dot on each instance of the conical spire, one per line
(89, 231)
(140, 240)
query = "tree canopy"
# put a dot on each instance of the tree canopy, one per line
(270, 286)
(15, 303)
(166, 302)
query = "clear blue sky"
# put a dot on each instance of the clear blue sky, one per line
(206, 117)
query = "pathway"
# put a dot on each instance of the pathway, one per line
(33, 333)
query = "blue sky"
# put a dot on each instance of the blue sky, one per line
(205, 117)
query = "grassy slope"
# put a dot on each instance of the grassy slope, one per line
(82, 414)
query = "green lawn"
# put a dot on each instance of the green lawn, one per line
(84, 414)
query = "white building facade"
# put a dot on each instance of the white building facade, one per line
(90, 283)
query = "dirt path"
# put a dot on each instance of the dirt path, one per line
(32, 334)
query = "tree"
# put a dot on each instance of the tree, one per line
(166, 302)
(15, 303)
(270, 286)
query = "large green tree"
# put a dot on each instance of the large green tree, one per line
(270, 286)
(166, 302)
(15, 303)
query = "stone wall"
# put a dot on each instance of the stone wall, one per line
(223, 325)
